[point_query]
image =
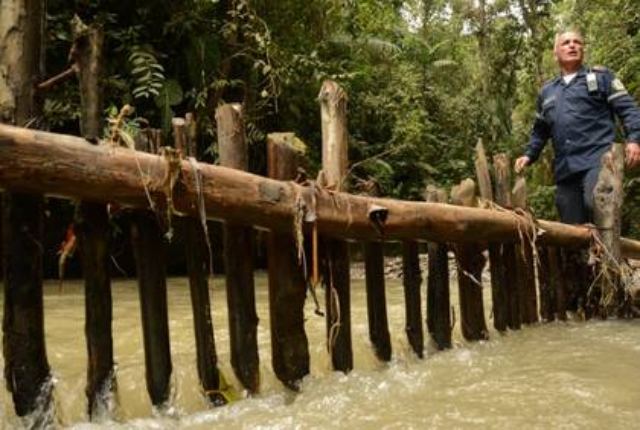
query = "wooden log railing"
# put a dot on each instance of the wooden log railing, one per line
(46, 163)
(63, 165)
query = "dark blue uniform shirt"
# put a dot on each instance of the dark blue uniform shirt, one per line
(581, 122)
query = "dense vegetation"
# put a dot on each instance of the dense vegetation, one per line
(425, 78)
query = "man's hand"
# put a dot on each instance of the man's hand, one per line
(522, 162)
(632, 154)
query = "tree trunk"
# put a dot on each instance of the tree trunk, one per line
(26, 367)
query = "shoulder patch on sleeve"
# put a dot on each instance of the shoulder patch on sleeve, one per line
(617, 86)
(601, 69)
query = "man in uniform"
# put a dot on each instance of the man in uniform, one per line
(576, 110)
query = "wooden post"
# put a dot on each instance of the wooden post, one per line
(238, 258)
(498, 295)
(558, 282)
(94, 233)
(149, 248)
(470, 265)
(438, 302)
(197, 252)
(525, 273)
(508, 290)
(608, 194)
(411, 281)
(376, 297)
(333, 110)
(287, 283)
(26, 368)
(482, 173)
(547, 283)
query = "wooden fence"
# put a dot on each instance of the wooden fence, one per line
(163, 186)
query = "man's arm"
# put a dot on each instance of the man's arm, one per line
(627, 110)
(540, 133)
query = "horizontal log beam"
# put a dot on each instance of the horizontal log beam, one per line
(65, 166)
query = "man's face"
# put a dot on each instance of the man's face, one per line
(569, 50)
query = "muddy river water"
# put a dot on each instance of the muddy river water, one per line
(559, 375)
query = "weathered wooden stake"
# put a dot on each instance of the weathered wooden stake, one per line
(438, 302)
(149, 248)
(608, 195)
(26, 368)
(509, 291)
(471, 262)
(198, 258)
(238, 242)
(150, 251)
(498, 294)
(411, 281)
(545, 281)
(287, 283)
(333, 109)
(94, 233)
(558, 282)
(526, 279)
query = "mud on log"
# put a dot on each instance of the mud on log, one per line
(66, 166)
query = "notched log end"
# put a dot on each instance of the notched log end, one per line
(378, 217)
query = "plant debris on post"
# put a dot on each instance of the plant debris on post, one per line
(238, 240)
(26, 368)
(336, 274)
(198, 256)
(150, 250)
(470, 262)
(287, 283)
(438, 302)
(94, 232)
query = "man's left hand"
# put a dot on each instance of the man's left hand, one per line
(632, 154)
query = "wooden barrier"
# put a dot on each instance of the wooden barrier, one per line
(67, 166)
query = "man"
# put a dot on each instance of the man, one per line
(576, 110)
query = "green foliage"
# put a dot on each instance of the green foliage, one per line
(425, 78)
(147, 73)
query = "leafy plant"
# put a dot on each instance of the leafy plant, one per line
(148, 74)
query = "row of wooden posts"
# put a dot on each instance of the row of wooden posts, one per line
(162, 186)
(317, 216)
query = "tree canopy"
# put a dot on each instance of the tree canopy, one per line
(425, 78)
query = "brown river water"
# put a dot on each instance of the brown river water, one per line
(559, 375)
